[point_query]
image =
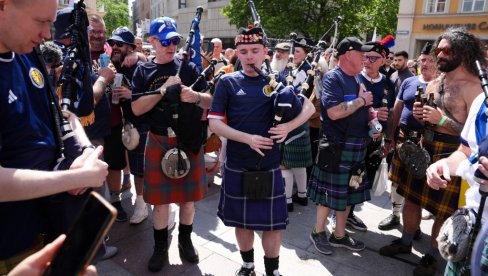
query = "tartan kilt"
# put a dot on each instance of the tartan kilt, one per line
(298, 153)
(236, 210)
(332, 189)
(441, 203)
(160, 189)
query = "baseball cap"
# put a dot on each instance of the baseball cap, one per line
(352, 43)
(164, 27)
(63, 21)
(123, 34)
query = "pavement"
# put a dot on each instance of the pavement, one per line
(219, 254)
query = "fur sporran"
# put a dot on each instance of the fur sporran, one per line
(130, 136)
(455, 235)
(415, 157)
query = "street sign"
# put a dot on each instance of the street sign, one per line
(402, 32)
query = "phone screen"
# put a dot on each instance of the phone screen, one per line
(84, 238)
(210, 47)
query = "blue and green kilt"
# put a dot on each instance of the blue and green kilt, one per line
(332, 189)
(238, 211)
(296, 151)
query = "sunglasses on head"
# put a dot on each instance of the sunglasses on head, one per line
(115, 42)
(166, 42)
(371, 59)
(445, 51)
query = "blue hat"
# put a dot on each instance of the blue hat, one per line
(164, 28)
(63, 21)
(123, 34)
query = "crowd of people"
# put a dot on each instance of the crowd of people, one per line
(276, 129)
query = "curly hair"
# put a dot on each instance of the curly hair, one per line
(464, 46)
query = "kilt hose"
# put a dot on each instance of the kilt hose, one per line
(441, 203)
(236, 210)
(331, 189)
(296, 151)
(160, 189)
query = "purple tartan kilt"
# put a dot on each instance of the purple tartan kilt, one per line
(238, 211)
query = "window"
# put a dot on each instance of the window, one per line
(63, 2)
(473, 5)
(181, 4)
(436, 6)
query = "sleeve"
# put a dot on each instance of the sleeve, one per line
(329, 93)
(403, 87)
(138, 83)
(220, 99)
(391, 93)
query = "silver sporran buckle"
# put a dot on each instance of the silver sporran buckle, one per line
(175, 163)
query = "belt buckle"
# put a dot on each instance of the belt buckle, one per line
(171, 133)
(429, 135)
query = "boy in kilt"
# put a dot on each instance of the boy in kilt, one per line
(345, 118)
(161, 189)
(245, 98)
(454, 91)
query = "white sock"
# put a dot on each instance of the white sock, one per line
(248, 265)
(397, 201)
(301, 179)
(288, 177)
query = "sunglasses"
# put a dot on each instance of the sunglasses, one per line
(445, 51)
(115, 42)
(371, 59)
(166, 42)
(391, 58)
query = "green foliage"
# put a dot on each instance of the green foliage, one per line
(116, 14)
(312, 18)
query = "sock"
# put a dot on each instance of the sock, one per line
(288, 178)
(434, 252)
(114, 197)
(161, 238)
(271, 264)
(314, 231)
(397, 201)
(301, 178)
(184, 229)
(126, 178)
(336, 237)
(248, 258)
(407, 238)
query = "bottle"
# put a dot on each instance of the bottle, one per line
(104, 60)
(417, 94)
(431, 103)
(423, 95)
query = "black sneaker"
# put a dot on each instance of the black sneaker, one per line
(187, 250)
(396, 247)
(389, 223)
(426, 267)
(418, 235)
(321, 243)
(346, 242)
(299, 200)
(290, 207)
(121, 214)
(158, 259)
(244, 271)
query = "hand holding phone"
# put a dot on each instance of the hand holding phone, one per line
(84, 238)
(210, 48)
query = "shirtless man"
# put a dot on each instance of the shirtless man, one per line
(454, 90)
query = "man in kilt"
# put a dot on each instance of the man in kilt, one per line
(454, 91)
(245, 98)
(157, 110)
(345, 118)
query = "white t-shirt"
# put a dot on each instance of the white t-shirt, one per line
(466, 169)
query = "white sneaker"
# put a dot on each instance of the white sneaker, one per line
(140, 212)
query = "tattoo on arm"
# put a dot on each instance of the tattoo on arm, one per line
(451, 124)
(346, 106)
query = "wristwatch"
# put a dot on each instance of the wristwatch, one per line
(162, 90)
(87, 146)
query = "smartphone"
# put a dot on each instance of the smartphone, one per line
(84, 238)
(210, 47)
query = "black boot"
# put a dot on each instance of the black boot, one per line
(185, 245)
(160, 254)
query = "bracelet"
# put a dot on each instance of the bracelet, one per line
(87, 146)
(443, 120)
(198, 99)
(364, 100)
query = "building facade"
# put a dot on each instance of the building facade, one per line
(420, 21)
(213, 23)
(91, 6)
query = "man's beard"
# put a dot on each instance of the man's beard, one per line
(117, 60)
(278, 65)
(448, 65)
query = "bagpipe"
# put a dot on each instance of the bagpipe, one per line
(78, 51)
